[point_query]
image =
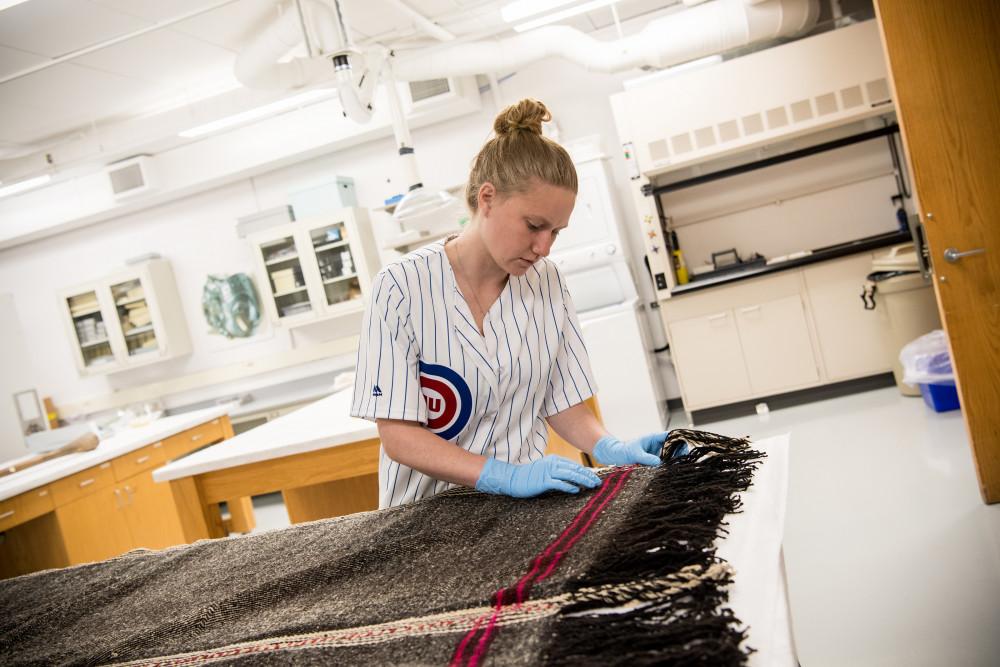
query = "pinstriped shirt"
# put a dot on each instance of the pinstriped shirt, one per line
(422, 359)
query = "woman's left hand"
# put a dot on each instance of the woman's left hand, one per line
(609, 450)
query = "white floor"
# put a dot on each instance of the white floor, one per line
(891, 556)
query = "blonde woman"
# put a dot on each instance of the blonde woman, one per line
(471, 345)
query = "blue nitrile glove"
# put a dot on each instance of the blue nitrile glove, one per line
(609, 450)
(530, 479)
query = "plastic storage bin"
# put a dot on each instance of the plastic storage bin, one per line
(926, 362)
(940, 397)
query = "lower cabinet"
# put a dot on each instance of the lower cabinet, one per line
(94, 527)
(776, 333)
(709, 359)
(776, 345)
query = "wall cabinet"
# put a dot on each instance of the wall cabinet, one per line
(317, 268)
(126, 320)
(783, 332)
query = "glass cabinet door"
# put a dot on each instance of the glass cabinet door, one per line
(91, 330)
(134, 317)
(336, 263)
(284, 271)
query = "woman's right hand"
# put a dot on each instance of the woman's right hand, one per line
(552, 473)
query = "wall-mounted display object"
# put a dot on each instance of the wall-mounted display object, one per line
(126, 320)
(317, 268)
(230, 305)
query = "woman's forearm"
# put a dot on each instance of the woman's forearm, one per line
(414, 446)
(578, 426)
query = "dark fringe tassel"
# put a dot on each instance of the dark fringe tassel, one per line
(673, 527)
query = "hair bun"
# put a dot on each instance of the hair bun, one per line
(527, 115)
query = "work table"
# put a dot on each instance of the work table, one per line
(820, 255)
(319, 425)
(118, 445)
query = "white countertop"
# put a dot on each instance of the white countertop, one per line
(121, 443)
(325, 423)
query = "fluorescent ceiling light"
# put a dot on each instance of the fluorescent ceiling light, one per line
(564, 14)
(21, 186)
(258, 113)
(522, 9)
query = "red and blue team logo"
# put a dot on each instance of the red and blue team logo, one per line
(449, 401)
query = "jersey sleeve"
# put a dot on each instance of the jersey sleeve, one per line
(387, 376)
(572, 380)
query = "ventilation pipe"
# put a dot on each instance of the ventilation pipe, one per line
(703, 30)
(352, 72)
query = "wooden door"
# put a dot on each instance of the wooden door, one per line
(93, 527)
(945, 67)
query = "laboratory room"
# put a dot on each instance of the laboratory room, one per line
(500, 332)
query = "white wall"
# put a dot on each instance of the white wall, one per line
(197, 234)
(15, 376)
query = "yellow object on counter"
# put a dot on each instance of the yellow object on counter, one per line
(680, 268)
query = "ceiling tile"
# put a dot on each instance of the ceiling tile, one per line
(56, 27)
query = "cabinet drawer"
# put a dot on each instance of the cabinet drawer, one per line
(25, 507)
(83, 483)
(195, 438)
(145, 458)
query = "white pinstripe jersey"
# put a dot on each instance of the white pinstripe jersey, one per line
(422, 359)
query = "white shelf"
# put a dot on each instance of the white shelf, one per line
(330, 246)
(281, 259)
(339, 278)
(94, 343)
(139, 330)
(125, 302)
(278, 295)
(95, 309)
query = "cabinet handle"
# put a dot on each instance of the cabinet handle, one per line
(6, 515)
(141, 460)
(43, 493)
(196, 436)
(105, 466)
(750, 309)
(717, 318)
(86, 482)
(215, 421)
(157, 445)
(130, 491)
(118, 499)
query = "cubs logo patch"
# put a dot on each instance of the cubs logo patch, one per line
(449, 401)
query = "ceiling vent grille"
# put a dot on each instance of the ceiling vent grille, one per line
(424, 90)
(131, 177)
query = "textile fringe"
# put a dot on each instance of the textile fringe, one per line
(671, 531)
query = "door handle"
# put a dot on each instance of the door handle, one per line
(953, 255)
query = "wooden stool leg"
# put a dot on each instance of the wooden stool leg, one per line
(241, 519)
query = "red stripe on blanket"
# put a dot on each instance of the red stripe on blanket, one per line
(549, 558)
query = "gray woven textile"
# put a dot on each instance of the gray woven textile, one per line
(623, 574)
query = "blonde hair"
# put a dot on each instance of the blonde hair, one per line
(519, 155)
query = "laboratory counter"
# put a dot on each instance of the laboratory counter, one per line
(866, 244)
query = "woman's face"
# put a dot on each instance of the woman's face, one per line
(520, 227)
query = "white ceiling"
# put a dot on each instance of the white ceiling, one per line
(176, 66)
